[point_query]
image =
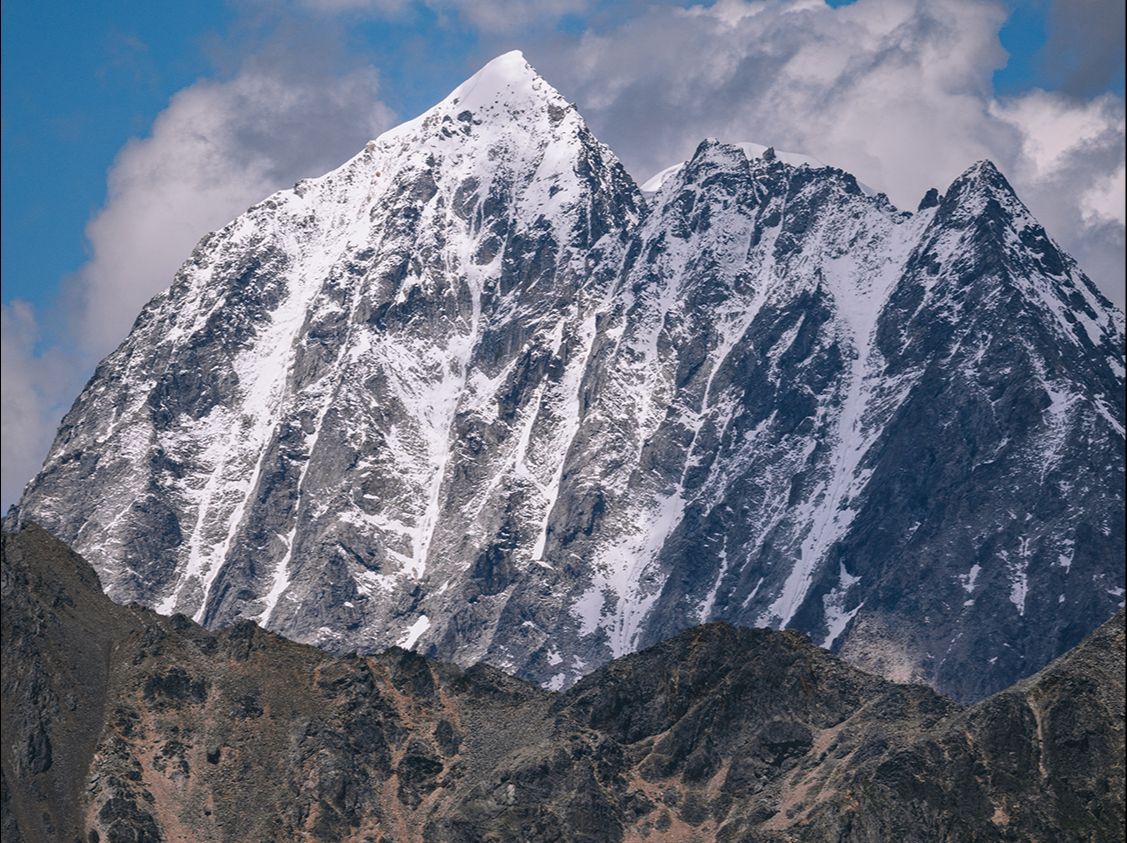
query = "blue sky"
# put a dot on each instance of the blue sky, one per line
(130, 129)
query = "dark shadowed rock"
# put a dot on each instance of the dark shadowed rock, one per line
(160, 730)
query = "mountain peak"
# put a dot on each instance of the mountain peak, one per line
(981, 193)
(506, 89)
(983, 169)
(505, 68)
(982, 176)
(751, 150)
(507, 79)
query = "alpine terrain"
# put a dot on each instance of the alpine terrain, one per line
(122, 725)
(477, 394)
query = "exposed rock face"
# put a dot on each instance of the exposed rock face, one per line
(474, 394)
(121, 724)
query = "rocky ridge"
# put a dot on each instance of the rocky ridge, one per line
(121, 724)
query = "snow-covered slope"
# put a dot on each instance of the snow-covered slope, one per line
(296, 418)
(752, 150)
(471, 393)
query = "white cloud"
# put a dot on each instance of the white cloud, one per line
(1052, 126)
(219, 147)
(1069, 169)
(489, 16)
(1070, 150)
(1105, 201)
(390, 8)
(32, 385)
(509, 15)
(877, 87)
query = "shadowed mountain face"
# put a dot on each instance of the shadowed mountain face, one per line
(476, 395)
(123, 725)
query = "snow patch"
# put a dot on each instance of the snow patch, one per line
(414, 632)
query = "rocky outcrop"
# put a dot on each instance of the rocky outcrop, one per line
(474, 394)
(121, 724)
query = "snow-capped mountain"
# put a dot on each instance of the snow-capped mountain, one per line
(476, 393)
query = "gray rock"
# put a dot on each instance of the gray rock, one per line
(718, 734)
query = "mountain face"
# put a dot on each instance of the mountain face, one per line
(122, 724)
(475, 394)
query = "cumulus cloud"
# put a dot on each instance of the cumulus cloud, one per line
(1104, 202)
(379, 7)
(855, 85)
(219, 147)
(33, 386)
(1069, 167)
(1078, 143)
(899, 92)
(490, 16)
(509, 15)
